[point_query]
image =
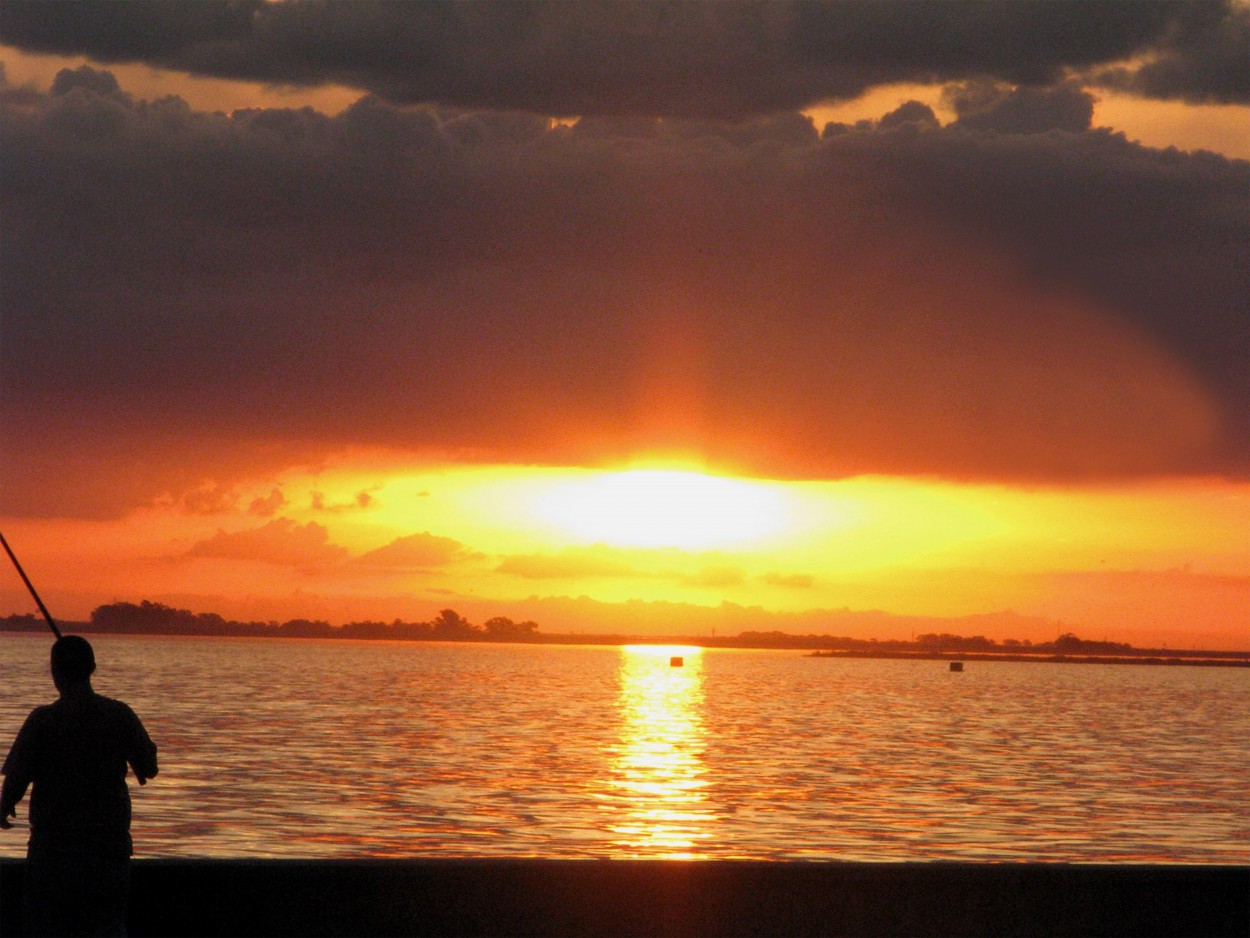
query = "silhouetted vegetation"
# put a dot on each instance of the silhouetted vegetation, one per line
(1065, 644)
(149, 618)
(939, 643)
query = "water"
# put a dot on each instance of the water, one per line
(284, 748)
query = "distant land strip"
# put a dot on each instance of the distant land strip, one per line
(1210, 659)
(149, 618)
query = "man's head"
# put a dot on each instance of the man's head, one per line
(73, 661)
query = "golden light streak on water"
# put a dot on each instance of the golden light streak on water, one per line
(658, 773)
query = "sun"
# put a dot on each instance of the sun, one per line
(663, 508)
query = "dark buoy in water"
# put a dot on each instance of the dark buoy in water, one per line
(676, 661)
(957, 665)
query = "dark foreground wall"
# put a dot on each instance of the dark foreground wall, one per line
(616, 897)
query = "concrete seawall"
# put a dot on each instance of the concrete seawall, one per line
(618, 897)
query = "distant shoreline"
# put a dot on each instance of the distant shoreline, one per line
(812, 645)
(1195, 659)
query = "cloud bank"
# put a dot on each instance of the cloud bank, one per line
(683, 59)
(1014, 296)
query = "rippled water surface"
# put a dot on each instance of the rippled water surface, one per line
(274, 748)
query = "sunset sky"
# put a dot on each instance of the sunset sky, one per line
(864, 318)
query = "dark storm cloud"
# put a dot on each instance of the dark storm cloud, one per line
(909, 112)
(102, 83)
(1205, 58)
(688, 59)
(116, 32)
(189, 294)
(985, 106)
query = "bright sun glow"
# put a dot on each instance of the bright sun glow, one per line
(663, 508)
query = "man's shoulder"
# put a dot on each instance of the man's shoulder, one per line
(43, 713)
(61, 711)
(34, 729)
(118, 707)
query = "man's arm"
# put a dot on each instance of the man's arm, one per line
(16, 771)
(142, 755)
(13, 792)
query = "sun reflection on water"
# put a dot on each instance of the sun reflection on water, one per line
(658, 784)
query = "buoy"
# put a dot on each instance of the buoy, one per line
(957, 665)
(676, 661)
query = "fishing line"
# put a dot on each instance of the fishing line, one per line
(30, 586)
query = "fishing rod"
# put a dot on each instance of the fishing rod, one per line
(30, 586)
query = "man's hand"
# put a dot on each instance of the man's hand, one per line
(8, 812)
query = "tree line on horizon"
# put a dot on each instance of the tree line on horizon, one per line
(944, 642)
(151, 618)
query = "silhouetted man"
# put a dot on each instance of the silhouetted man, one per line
(75, 752)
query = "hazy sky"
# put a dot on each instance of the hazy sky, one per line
(282, 284)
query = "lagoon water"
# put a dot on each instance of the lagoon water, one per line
(289, 748)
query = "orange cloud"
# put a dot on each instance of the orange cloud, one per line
(362, 499)
(210, 498)
(790, 581)
(267, 505)
(716, 577)
(416, 552)
(568, 565)
(281, 542)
